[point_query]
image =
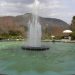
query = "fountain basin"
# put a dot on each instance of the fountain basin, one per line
(41, 48)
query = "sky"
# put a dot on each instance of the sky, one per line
(61, 9)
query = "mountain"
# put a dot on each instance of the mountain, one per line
(20, 23)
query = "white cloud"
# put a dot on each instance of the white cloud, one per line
(8, 8)
(48, 8)
(51, 4)
(20, 7)
(73, 0)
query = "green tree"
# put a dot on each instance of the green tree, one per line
(73, 27)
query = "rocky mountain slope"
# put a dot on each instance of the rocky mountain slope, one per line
(20, 23)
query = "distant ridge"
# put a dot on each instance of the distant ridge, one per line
(53, 25)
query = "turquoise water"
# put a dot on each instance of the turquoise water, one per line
(58, 60)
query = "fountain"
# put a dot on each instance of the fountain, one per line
(35, 33)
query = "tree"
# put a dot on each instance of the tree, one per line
(73, 27)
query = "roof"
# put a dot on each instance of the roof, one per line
(67, 31)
